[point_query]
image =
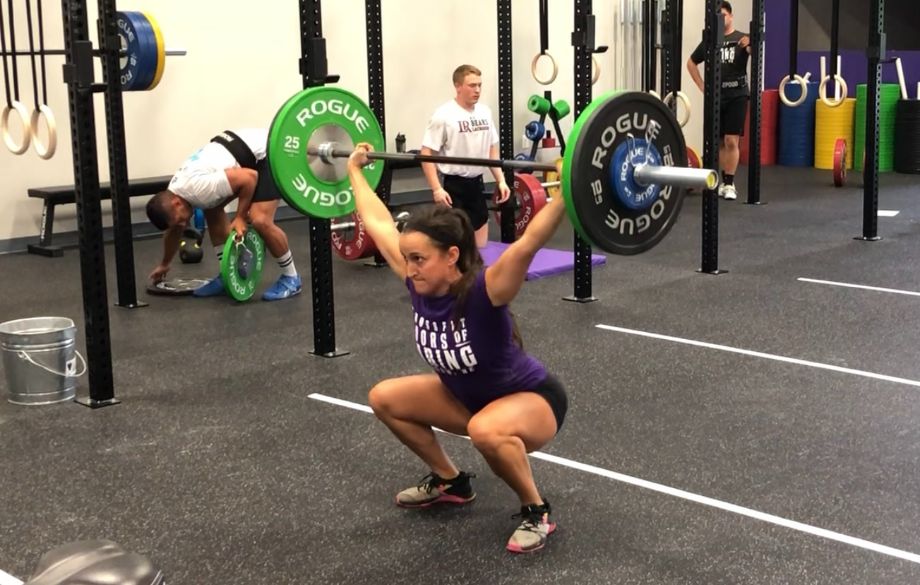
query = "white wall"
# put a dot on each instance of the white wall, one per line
(242, 65)
(222, 82)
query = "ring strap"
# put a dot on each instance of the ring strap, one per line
(13, 50)
(544, 26)
(793, 37)
(32, 52)
(239, 149)
(6, 76)
(41, 51)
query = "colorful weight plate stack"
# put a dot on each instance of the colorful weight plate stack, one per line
(889, 94)
(831, 124)
(768, 122)
(797, 128)
(142, 67)
(907, 137)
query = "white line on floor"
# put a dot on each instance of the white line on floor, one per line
(768, 356)
(663, 489)
(340, 402)
(7, 579)
(888, 212)
(862, 286)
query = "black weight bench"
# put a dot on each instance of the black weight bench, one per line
(64, 194)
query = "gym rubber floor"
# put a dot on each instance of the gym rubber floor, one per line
(749, 427)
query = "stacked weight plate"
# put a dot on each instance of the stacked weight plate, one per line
(141, 67)
(890, 93)
(769, 114)
(797, 128)
(907, 137)
(831, 124)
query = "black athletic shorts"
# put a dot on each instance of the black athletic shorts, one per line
(468, 194)
(266, 190)
(734, 110)
(552, 391)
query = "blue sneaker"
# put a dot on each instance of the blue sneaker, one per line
(284, 287)
(212, 288)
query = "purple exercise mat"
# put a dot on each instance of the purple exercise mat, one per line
(546, 263)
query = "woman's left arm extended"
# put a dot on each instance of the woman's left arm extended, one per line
(505, 277)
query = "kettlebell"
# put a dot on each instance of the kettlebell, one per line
(190, 251)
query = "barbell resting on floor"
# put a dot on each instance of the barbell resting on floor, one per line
(623, 177)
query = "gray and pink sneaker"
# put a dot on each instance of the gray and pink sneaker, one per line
(433, 489)
(535, 527)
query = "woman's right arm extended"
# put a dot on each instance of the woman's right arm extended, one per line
(372, 211)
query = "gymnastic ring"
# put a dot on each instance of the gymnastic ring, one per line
(681, 97)
(44, 150)
(533, 68)
(654, 93)
(822, 91)
(782, 91)
(5, 130)
(595, 70)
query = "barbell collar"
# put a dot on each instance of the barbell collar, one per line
(646, 174)
(327, 151)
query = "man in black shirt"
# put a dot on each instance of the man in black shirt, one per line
(734, 96)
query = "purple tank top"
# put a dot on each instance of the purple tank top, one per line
(476, 358)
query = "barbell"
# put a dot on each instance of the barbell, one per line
(645, 173)
(350, 239)
(623, 179)
(353, 221)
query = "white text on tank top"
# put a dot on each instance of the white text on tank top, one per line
(445, 345)
(456, 131)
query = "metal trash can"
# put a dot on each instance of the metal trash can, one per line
(40, 360)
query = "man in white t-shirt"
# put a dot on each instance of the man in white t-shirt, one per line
(463, 127)
(231, 166)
